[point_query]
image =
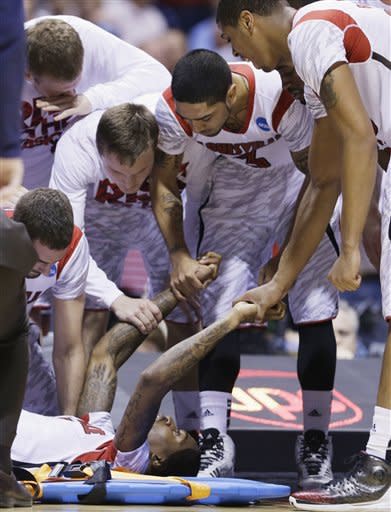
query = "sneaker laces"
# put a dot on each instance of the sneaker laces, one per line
(313, 453)
(212, 448)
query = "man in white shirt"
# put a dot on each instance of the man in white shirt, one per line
(341, 51)
(107, 182)
(74, 68)
(62, 266)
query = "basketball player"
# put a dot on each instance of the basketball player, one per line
(107, 182)
(245, 115)
(348, 83)
(62, 266)
(142, 442)
(74, 68)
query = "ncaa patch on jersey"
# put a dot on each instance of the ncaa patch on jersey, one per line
(262, 124)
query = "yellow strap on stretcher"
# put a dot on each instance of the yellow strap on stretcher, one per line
(197, 491)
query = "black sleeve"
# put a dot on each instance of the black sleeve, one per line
(12, 57)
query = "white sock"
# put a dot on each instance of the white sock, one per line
(316, 410)
(380, 433)
(187, 409)
(215, 410)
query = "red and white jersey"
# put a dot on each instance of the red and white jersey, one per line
(68, 438)
(275, 125)
(78, 171)
(327, 32)
(67, 278)
(113, 72)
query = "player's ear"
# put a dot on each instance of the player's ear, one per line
(156, 461)
(246, 21)
(231, 95)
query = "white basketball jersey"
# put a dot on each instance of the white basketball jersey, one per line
(67, 277)
(113, 72)
(325, 33)
(275, 125)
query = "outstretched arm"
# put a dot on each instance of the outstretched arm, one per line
(342, 157)
(171, 366)
(114, 348)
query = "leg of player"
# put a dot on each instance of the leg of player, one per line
(316, 371)
(13, 372)
(218, 373)
(368, 485)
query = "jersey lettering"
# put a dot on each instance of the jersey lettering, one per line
(244, 150)
(88, 429)
(39, 130)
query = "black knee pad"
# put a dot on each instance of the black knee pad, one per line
(219, 369)
(317, 356)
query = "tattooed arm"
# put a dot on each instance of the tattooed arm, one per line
(167, 206)
(162, 374)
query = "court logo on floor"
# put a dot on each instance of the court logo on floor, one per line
(272, 398)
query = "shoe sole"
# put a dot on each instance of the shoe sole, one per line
(384, 503)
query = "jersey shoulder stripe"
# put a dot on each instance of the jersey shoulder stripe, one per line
(284, 102)
(169, 98)
(77, 235)
(357, 45)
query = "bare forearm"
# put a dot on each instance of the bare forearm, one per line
(358, 180)
(70, 367)
(167, 202)
(181, 358)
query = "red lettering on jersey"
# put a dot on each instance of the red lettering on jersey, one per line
(108, 192)
(83, 422)
(244, 150)
(33, 119)
(356, 43)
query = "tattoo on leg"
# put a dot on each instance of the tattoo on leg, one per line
(327, 92)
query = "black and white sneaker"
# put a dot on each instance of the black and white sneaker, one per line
(313, 454)
(217, 454)
(366, 487)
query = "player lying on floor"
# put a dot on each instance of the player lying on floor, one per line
(143, 442)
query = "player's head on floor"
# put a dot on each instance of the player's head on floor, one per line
(126, 139)
(203, 91)
(173, 451)
(257, 30)
(54, 57)
(48, 217)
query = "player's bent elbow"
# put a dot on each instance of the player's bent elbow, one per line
(151, 379)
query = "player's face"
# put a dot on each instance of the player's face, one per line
(256, 49)
(50, 87)
(165, 438)
(129, 178)
(46, 258)
(207, 120)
